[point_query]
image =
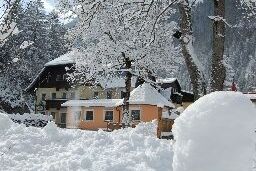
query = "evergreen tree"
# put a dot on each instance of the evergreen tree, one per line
(23, 55)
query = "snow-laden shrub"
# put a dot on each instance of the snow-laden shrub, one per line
(215, 134)
(30, 119)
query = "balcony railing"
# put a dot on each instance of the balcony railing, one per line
(54, 103)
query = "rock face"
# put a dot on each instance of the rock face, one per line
(216, 133)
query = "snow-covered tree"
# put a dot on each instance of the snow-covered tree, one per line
(120, 35)
(23, 55)
(218, 69)
(7, 19)
(193, 64)
(57, 42)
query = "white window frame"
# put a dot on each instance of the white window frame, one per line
(136, 108)
(84, 115)
(104, 114)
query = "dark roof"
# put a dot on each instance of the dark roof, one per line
(187, 96)
(47, 78)
(169, 82)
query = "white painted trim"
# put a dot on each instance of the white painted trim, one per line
(84, 115)
(104, 113)
(136, 108)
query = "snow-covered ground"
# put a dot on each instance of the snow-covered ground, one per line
(52, 148)
(216, 133)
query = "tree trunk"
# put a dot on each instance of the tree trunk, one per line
(127, 118)
(187, 48)
(218, 72)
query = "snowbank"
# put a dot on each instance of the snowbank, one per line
(215, 134)
(52, 148)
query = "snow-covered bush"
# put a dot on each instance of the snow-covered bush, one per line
(37, 120)
(215, 134)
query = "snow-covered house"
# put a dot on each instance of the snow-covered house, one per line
(171, 90)
(145, 102)
(51, 88)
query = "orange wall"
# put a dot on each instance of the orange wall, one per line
(148, 113)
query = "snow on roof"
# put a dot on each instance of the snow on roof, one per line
(251, 95)
(94, 102)
(146, 94)
(68, 58)
(34, 80)
(116, 82)
(166, 80)
(172, 116)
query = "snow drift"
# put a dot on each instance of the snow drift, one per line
(52, 148)
(215, 134)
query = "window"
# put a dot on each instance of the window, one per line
(88, 115)
(77, 115)
(135, 114)
(96, 95)
(63, 118)
(72, 95)
(43, 97)
(109, 115)
(53, 95)
(109, 94)
(59, 78)
(53, 115)
(122, 94)
(64, 95)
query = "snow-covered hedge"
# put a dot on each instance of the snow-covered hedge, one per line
(216, 134)
(37, 120)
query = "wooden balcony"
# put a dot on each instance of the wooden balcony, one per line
(54, 103)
